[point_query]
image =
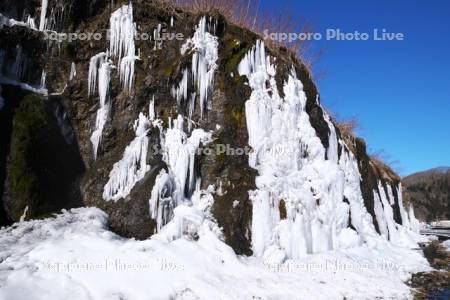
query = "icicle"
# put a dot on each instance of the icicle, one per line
(151, 110)
(30, 23)
(122, 32)
(403, 213)
(73, 71)
(43, 78)
(122, 46)
(379, 214)
(95, 63)
(11, 73)
(157, 37)
(414, 223)
(161, 202)
(388, 212)
(204, 65)
(19, 67)
(180, 93)
(133, 165)
(44, 4)
(127, 72)
(390, 195)
(332, 152)
(104, 76)
(179, 153)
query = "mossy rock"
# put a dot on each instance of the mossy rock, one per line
(42, 167)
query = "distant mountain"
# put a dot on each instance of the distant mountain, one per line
(441, 169)
(429, 191)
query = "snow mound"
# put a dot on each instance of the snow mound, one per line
(75, 256)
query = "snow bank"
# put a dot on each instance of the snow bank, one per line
(447, 244)
(74, 256)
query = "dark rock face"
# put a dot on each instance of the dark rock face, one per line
(43, 165)
(372, 172)
(68, 171)
(429, 192)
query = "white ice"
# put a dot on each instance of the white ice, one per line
(204, 46)
(320, 195)
(176, 186)
(73, 71)
(104, 77)
(5, 21)
(133, 165)
(122, 46)
(42, 20)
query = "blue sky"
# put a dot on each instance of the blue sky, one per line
(399, 90)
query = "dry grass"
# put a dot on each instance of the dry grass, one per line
(248, 14)
(347, 128)
(379, 158)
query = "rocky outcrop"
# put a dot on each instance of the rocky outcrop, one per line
(72, 171)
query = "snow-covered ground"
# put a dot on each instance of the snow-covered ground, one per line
(447, 244)
(75, 256)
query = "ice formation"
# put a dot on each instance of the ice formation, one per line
(13, 72)
(42, 20)
(19, 68)
(29, 22)
(73, 71)
(133, 165)
(204, 64)
(403, 212)
(174, 189)
(319, 188)
(104, 77)
(176, 186)
(157, 37)
(43, 79)
(122, 47)
(94, 65)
